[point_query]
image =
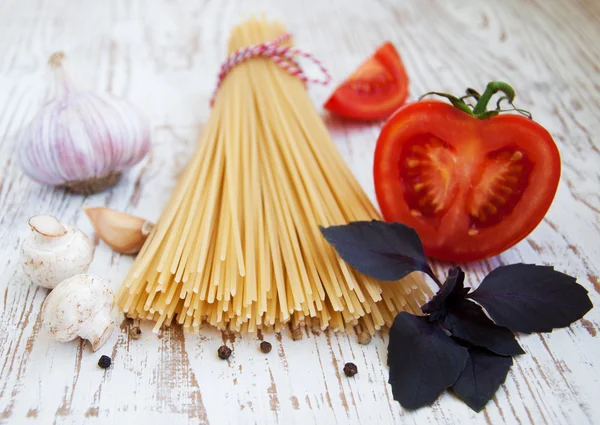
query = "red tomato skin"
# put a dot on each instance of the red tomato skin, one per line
(346, 102)
(446, 237)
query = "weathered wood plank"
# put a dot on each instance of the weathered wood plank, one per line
(163, 56)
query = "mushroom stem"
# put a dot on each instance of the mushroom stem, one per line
(99, 330)
(47, 230)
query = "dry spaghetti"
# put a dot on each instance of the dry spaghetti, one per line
(238, 244)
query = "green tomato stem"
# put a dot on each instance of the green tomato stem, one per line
(480, 110)
(490, 90)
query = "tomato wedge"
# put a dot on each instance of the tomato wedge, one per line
(470, 186)
(375, 90)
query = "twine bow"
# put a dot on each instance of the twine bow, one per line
(284, 56)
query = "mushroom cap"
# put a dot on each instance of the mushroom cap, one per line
(49, 258)
(70, 309)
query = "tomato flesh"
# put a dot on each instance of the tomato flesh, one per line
(470, 188)
(427, 170)
(375, 89)
(500, 188)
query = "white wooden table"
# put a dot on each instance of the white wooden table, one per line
(163, 55)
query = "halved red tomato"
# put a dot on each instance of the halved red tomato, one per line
(471, 188)
(375, 90)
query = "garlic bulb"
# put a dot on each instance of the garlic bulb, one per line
(124, 233)
(82, 140)
(81, 306)
(52, 252)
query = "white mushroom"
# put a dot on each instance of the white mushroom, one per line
(81, 306)
(52, 252)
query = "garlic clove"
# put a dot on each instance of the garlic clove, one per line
(80, 306)
(52, 252)
(124, 233)
(82, 140)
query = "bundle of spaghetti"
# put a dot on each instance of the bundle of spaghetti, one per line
(238, 245)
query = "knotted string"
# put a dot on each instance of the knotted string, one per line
(284, 56)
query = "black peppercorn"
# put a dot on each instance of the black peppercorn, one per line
(350, 369)
(224, 352)
(265, 347)
(104, 362)
(135, 333)
(364, 338)
(297, 334)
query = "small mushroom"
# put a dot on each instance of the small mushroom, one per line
(122, 232)
(53, 252)
(81, 306)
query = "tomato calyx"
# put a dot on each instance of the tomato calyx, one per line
(480, 109)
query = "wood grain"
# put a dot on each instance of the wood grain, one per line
(163, 55)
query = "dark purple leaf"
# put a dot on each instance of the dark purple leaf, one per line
(451, 292)
(482, 376)
(530, 298)
(384, 251)
(467, 321)
(423, 360)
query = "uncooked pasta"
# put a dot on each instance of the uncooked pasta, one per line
(238, 244)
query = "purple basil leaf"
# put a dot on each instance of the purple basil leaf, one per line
(452, 291)
(423, 360)
(384, 251)
(529, 298)
(482, 376)
(467, 321)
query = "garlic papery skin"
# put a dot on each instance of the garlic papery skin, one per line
(124, 233)
(53, 252)
(80, 306)
(82, 140)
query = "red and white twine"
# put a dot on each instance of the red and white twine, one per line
(284, 56)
